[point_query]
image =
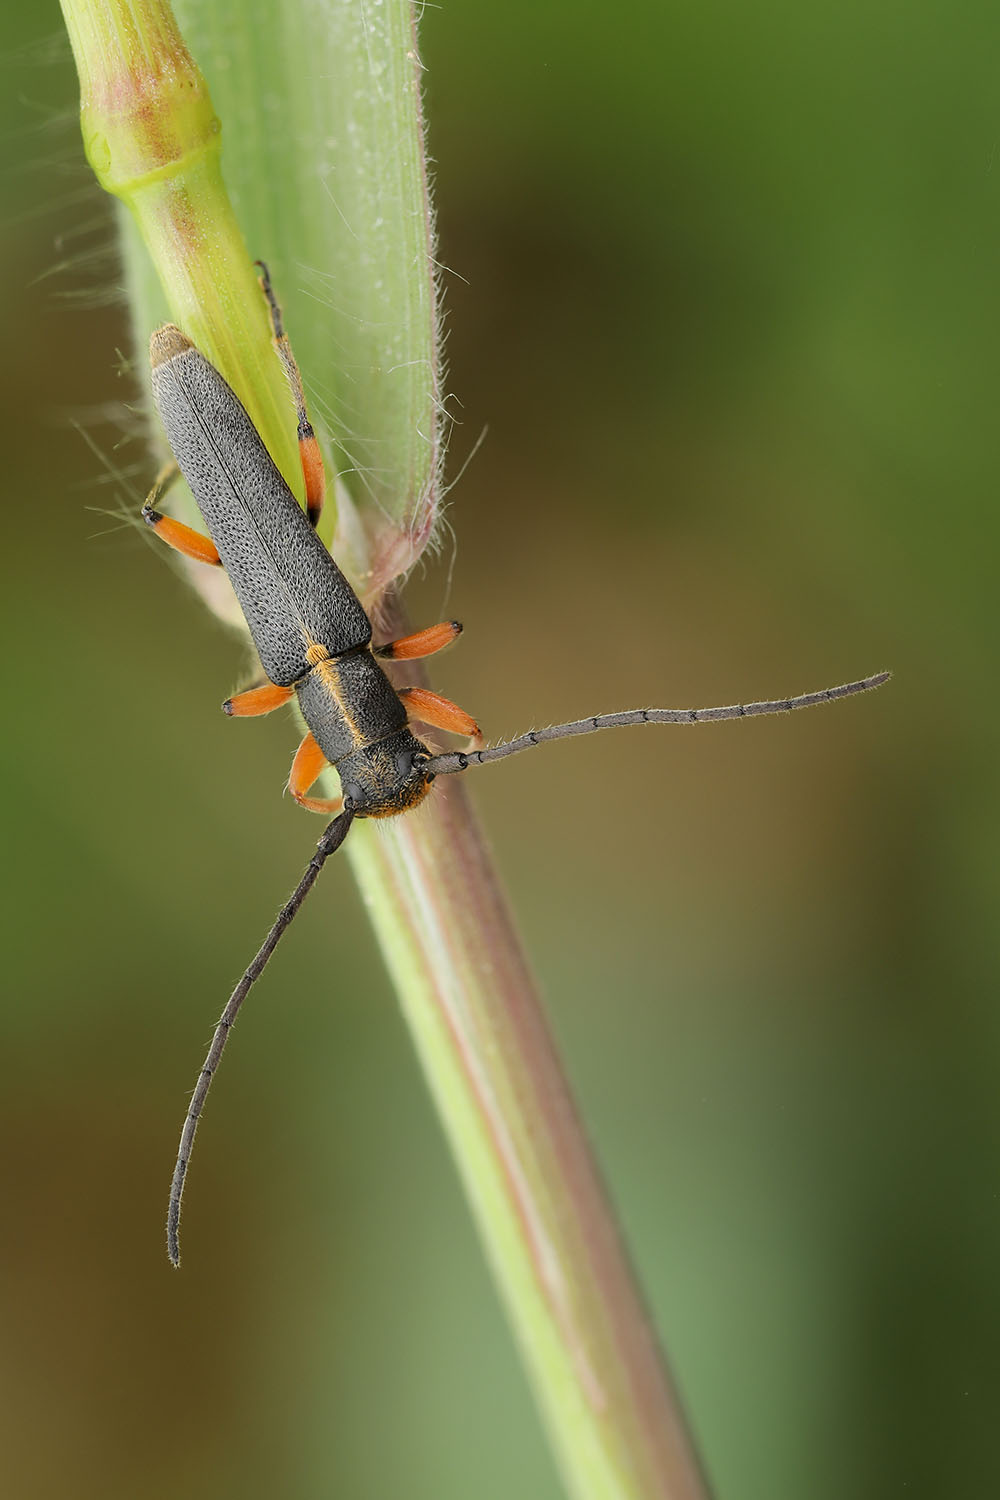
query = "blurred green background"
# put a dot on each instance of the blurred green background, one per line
(729, 308)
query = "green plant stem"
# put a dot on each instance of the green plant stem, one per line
(427, 879)
(472, 1005)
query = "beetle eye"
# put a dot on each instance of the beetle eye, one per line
(353, 793)
(404, 762)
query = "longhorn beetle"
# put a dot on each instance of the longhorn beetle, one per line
(315, 640)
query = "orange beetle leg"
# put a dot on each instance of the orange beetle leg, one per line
(439, 712)
(310, 456)
(182, 538)
(308, 763)
(312, 471)
(422, 643)
(257, 700)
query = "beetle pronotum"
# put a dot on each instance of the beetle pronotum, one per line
(314, 640)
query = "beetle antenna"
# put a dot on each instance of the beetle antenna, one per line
(446, 765)
(331, 841)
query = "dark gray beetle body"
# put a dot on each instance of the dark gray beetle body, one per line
(307, 624)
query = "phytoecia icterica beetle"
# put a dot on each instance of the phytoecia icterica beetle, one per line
(314, 640)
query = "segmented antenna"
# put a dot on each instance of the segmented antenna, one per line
(331, 841)
(446, 765)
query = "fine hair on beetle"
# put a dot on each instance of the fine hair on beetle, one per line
(314, 641)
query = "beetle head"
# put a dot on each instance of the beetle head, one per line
(387, 778)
